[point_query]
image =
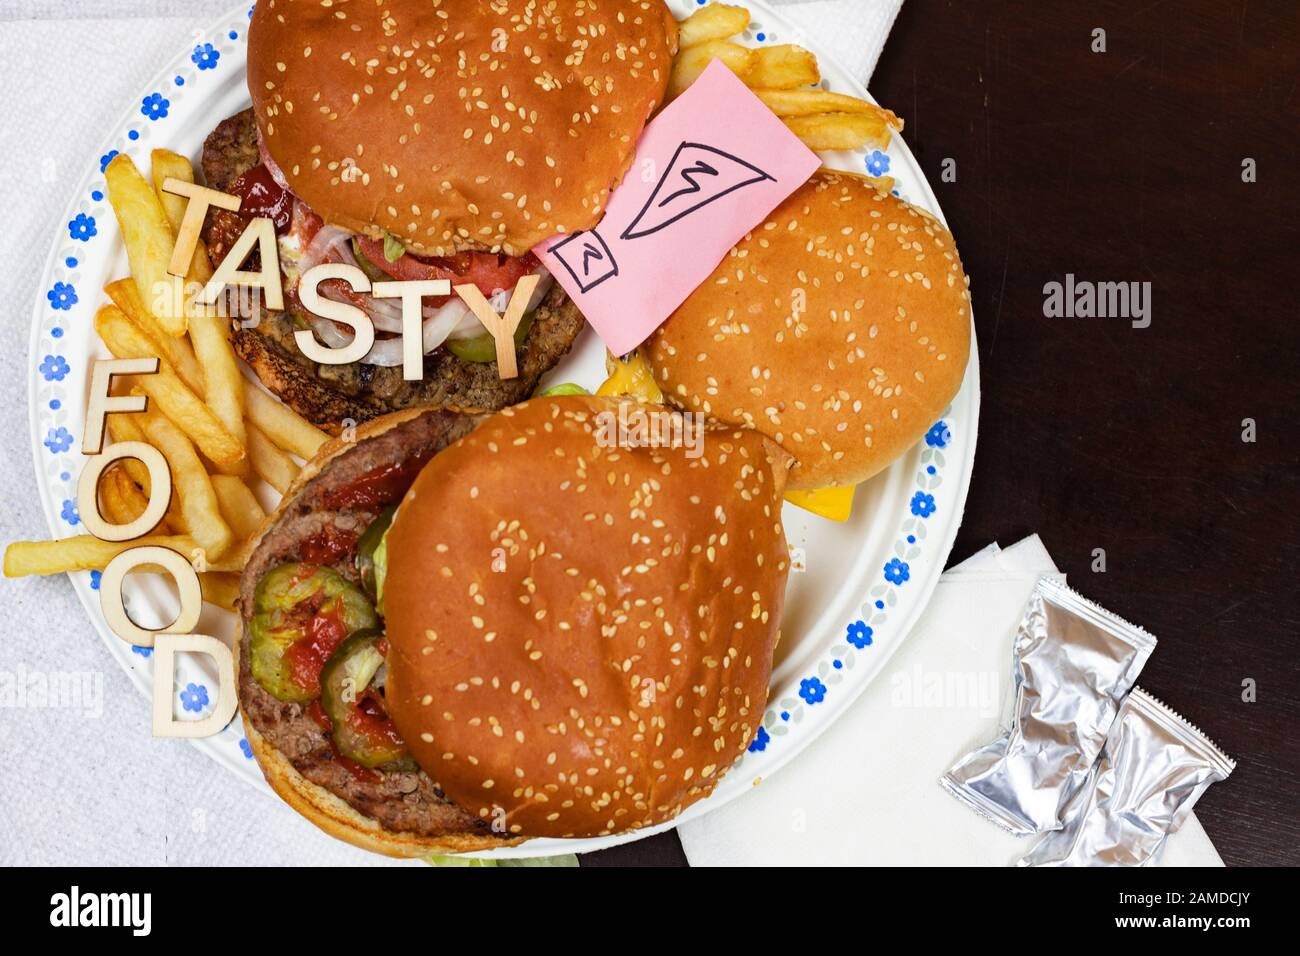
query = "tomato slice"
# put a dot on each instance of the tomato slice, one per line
(489, 271)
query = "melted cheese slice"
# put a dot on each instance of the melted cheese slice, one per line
(832, 503)
(632, 377)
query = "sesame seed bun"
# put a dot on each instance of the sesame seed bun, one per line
(457, 125)
(853, 379)
(581, 633)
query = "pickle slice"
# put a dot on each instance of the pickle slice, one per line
(301, 613)
(368, 544)
(482, 348)
(361, 735)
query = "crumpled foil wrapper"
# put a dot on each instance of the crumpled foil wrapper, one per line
(1074, 663)
(1152, 770)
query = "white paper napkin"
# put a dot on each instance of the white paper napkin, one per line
(866, 792)
(853, 32)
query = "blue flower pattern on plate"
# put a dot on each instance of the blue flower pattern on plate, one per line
(759, 743)
(53, 368)
(938, 436)
(58, 440)
(194, 697)
(142, 651)
(205, 56)
(155, 106)
(897, 571)
(923, 505)
(106, 159)
(69, 512)
(812, 690)
(859, 634)
(62, 296)
(877, 163)
(82, 227)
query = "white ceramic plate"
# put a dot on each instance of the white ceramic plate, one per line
(866, 581)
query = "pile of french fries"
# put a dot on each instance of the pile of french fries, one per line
(783, 76)
(218, 431)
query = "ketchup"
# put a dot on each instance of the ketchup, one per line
(317, 713)
(306, 656)
(328, 545)
(263, 196)
(371, 719)
(364, 774)
(380, 487)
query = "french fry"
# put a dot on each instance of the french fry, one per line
(717, 21)
(224, 388)
(121, 501)
(839, 130)
(269, 463)
(168, 165)
(175, 350)
(178, 402)
(805, 102)
(241, 509)
(282, 424)
(782, 67)
(83, 552)
(147, 235)
(690, 63)
(112, 503)
(127, 428)
(209, 332)
(192, 485)
(220, 588)
(233, 561)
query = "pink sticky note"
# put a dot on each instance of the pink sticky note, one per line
(708, 169)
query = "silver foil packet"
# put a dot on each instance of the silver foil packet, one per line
(1153, 769)
(1074, 662)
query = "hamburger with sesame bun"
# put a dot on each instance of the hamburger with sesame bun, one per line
(840, 327)
(464, 629)
(429, 140)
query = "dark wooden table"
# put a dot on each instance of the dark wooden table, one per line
(1126, 166)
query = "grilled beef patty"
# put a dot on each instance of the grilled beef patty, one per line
(404, 801)
(330, 394)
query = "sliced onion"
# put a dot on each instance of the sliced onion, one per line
(330, 244)
(443, 322)
(330, 333)
(385, 352)
(388, 352)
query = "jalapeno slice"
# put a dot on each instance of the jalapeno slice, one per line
(360, 726)
(367, 545)
(483, 348)
(301, 614)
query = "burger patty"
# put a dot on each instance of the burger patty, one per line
(404, 801)
(331, 394)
